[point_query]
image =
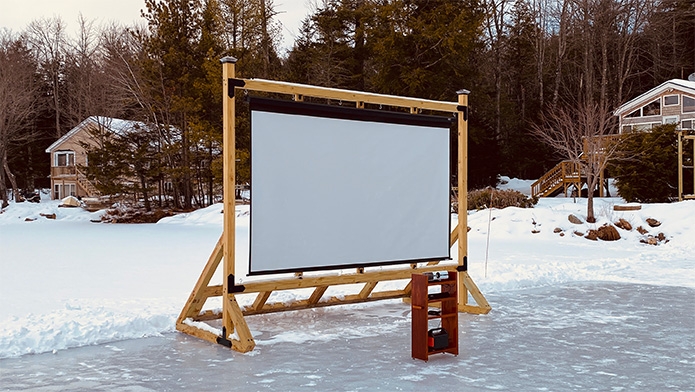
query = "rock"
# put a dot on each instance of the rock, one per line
(557, 230)
(562, 234)
(623, 224)
(608, 233)
(579, 234)
(535, 231)
(661, 237)
(592, 235)
(29, 219)
(574, 219)
(642, 230)
(650, 240)
(48, 216)
(653, 222)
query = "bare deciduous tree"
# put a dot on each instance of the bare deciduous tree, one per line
(47, 39)
(18, 103)
(581, 134)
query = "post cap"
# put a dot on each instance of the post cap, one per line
(462, 92)
(228, 59)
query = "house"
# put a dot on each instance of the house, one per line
(672, 102)
(68, 155)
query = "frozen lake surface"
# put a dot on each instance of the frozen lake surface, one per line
(576, 336)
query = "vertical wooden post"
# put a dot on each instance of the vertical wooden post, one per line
(680, 166)
(462, 183)
(229, 181)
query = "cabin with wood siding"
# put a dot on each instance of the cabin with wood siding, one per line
(672, 102)
(69, 154)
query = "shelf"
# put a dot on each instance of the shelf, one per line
(421, 303)
(444, 350)
(446, 299)
(432, 317)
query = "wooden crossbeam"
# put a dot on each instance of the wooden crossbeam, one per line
(359, 97)
(367, 289)
(201, 291)
(261, 299)
(317, 294)
(332, 301)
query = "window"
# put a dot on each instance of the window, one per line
(627, 128)
(688, 104)
(670, 120)
(687, 124)
(636, 113)
(670, 100)
(61, 191)
(65, 158)
(652, 109)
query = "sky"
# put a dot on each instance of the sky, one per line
(17, 14)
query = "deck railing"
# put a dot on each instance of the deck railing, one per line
(563, 174)
(57, 171)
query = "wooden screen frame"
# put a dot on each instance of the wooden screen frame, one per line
(235, 332)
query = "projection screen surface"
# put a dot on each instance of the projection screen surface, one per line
(339, 187)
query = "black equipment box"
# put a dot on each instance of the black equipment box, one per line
(437, 339)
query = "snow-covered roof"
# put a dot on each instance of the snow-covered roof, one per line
(115, 125)
(685, 86)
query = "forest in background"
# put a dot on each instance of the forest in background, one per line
(522, 61)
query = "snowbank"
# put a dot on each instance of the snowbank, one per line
(68, 282)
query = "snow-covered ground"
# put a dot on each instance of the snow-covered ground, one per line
(622, 311)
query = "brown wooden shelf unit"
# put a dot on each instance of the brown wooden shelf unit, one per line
(428, 305)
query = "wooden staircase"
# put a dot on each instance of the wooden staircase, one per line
(87, 185)
(558, 179)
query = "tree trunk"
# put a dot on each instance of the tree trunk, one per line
(590, 185)
(145, 194)
(15, 191)
(3, 187)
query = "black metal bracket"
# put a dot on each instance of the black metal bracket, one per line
(223, 339)
(232, 84)
(463, 109)
(464, 267)
(233, 288)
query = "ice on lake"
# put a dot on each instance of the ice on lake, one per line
(603, 336)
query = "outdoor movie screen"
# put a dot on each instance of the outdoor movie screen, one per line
(335, 187)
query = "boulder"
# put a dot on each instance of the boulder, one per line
(608, 233)
(574, 219)
(623, 224)
(653, 222)
(592, 235)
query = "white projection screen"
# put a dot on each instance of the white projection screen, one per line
(335, 187)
